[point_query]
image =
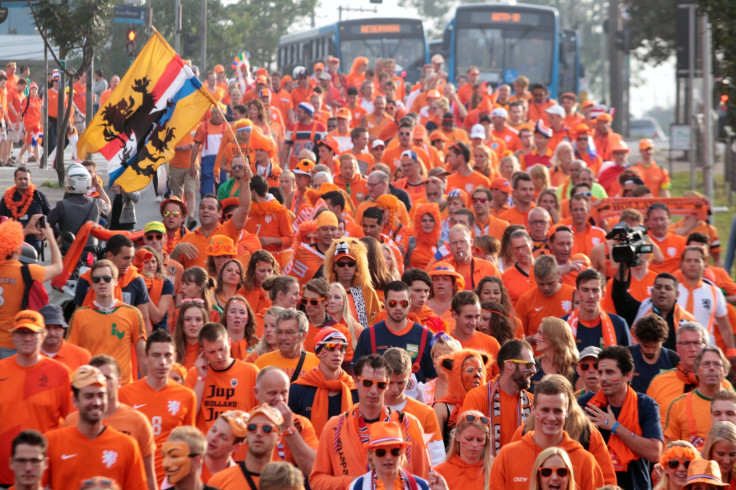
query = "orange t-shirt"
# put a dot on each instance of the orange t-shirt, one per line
(229, 389)
(482, 343)
(640, 290)
(655, 177)
(74, 457)
(516, 217)
(172, 406)
(115, 333)
(13, 287)
(304, 265)
(510, 137)
(533, 306)
(182, 158)
(299, 95)
(288, 366)
(357, 189)
(392, 157)
(70, 355)
(467, 183)
(517, 282)
(282, 451)
(672, 248)
(36, 397)
(201, 241)
(585, 241)
(374, 127)
(232, 478)
(128, 421)
(688, 419)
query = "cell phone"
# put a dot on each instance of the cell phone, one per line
(41, 223)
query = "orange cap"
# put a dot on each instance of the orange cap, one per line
(646, 144)
(620, 146)
(344, 113)
(385, 434)
(446, 269)
(29, 320)
(219, 69)
(330, 143)
(221, 245)
(86, 375)
(437, 135)
(604, 117)
(262, 79)
(433, 94)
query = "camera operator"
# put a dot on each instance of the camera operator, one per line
(662, 301)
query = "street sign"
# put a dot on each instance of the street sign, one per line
(680, 135)
(128, 14)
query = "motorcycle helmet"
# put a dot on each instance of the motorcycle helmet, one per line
(78, 179)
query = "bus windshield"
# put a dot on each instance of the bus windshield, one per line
(409, 53)
(505, 53)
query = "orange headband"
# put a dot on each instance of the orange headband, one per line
(494, 311)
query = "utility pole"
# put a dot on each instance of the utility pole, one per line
(177, 26)
(203, 43)
(615, 65)
(707, 107)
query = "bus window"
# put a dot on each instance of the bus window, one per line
(408, 52)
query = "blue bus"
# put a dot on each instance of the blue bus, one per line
(505, 41)
(403, 40)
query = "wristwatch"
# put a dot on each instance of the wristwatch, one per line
(290, 431)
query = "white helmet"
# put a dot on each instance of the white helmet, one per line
(78, 179)
(299, 70)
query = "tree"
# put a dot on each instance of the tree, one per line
(723, 31)
(652, 24)
(72, 26)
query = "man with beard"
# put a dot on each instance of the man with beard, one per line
(396, 331)
(184, 456)
(212, 377)
(263, 431)
(509, 389)
(341, 453)
(650, 357)
(628, 421)
(91, 448)
(510, 470)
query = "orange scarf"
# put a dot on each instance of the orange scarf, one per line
(315, 378)
(621, 455)
(607, 330)
(124, 280)
(171, 242)
(687, 377)
(19, 208)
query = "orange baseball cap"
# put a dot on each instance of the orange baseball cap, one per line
(269, 412)
(262, 79)
(620, 146)
(28, 320)
(588, 103)
(229, 201)
(219, 69)
(646, 144)
(304, 167)
(581, 129)
(569, 95)
(604, 117)
(419, 132)
(261, 71)
(344, 113)
(501, 184)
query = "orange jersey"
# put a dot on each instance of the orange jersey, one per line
(13, 288)
(459, 474)
(201, 241)
(74, 457)
(517, 282)
(128, 421)
(70, 355)
(672, 248)
(708, 230)
(375, 127)
(587, 239)
(510, 137)
(230, 150)
(299, 95)
(306, 262)
(655, 177)
(232, 478)
(392, 157)
(688, 419)
(288, 366)
(538, 111)
(173, 406)
(533, 306)
(467, 182)
(230, 389)
(456, 134)
(282, 451)
(604, 144)
(482, 343)
(516, 217)
(357, 189)
(183, 158)
(36, 397)
(271, 219)
(115, 333)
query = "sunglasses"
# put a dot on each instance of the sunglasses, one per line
(175, 214)
(154, 237)
(395, 452)
(367, 383)
(392, 303)
(472, 418)
(547, 472)
(674, 464)
(529, 365)
(311, 301)
(266, 428)
(334, 347)
(96, 279)
(480, 199)
(236, 167)
(584, 366)
(345, 263)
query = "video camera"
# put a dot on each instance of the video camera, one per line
(632, 244)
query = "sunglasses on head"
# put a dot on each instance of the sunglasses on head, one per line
(392, 303)
(175, 214)
(472, 418)
(547, 472)
(96, 279)
(345, 263)
(334, 347)
(154, 236)
(674, 464)
(367, 383)
(584, 366)
(311, 301)
(266, 428)
(395, 452)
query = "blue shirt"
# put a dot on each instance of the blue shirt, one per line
(645, 372)
(301, 399)
(587, 336)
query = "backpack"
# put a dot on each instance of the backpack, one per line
(35, 296)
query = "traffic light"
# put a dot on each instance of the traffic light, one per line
(130, 47)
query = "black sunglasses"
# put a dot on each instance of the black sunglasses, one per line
(584, 366)
(367, 383)
(674, 464)
(96, 279)
(395, 452)
(154, 237)
(345, 263)
(547, 472)
(311, 301)
(266, 428)
(392, 303)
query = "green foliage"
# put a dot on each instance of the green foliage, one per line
(652, 27)
(721, 14)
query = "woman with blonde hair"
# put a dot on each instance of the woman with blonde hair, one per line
(552, 469)
(388, 256)
(338, 308)
(558, 353)
(508, 165)
(484, 162)
(540, 177)
(720, 446)
(674, 461)
(269, 341)
(549, 200)
(346, 262)
(442, 345)
(470, 457)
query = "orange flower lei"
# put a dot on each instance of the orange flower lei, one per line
(19, 208)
